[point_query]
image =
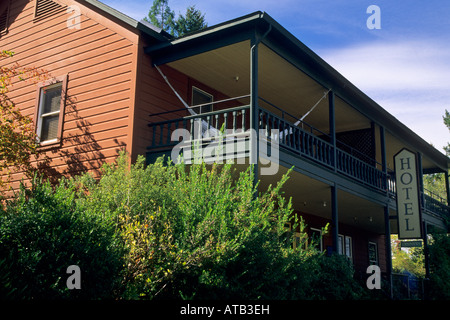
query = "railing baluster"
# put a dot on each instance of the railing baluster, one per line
(153, 136)
(169, 126)
(225, 121)
(161, 133)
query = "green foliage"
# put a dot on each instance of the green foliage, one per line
(411, 261)
(334, 280)
(446, 119)
(440, 267)
(42, 233)
(163, 231)
(163, 17)
(17, 134)
(193, 20)
(202, 232)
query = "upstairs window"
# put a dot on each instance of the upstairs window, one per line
(50, 111)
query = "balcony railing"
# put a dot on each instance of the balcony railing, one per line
(232, 118)
(436, 204)
(314, 147)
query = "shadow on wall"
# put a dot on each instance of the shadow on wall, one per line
(79, 152)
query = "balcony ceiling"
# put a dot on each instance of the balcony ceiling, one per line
(227, 70)
(314, 197)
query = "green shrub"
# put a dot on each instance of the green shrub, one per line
(42, 233)
(203, 232)
(163, 231)
(439, 251)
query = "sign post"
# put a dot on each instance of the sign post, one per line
(408, 198)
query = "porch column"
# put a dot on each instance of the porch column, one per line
(387, 228)
(383, 158)
(334, 218)
(254, 114)
(332, 124)
(447, 188)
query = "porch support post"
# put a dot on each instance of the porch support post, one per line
(387, 228)
(254, 114)
(334, 218)
(447, 188)
(332, 124)
(426, 254)
(383, 158)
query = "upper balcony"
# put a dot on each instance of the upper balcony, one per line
(261, 82)
(223, 133)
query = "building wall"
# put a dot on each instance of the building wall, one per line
(360, 241)
(99, 60)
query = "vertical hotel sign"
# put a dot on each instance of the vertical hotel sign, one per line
(408, 199)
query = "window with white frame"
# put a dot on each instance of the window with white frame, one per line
(348, 247)
(316, 235)
(50, 111)
(345, 246)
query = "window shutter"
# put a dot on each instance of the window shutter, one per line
(47, 8)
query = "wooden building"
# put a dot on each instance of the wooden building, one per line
(117, 83)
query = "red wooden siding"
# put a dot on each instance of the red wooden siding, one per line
(99, 59)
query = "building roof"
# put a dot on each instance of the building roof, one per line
(146, 27)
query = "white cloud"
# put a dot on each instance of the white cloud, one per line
(410, 79)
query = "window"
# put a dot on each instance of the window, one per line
(200, 97)
(345, 246)
(348, 247)
(316, 236)
(296, 236)
(340, 244)
(50, 111)
(373, 253)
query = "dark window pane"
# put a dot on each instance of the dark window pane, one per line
(51, 99)
(200, 97)
(49, 127)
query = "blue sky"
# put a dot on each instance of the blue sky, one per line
(404, 66)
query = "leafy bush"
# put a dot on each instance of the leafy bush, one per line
(201, 231)
(42, 233)
(439, 251)
(188, 229)
(163, 231)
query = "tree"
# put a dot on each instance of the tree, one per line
(436, 182)
(163, 17)
(17, 135)
(440, 267)
(193, 20)
(446, 118)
